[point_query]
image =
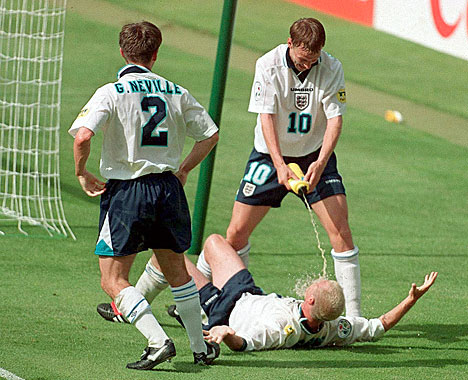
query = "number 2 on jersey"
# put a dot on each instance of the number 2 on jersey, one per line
(150, 135)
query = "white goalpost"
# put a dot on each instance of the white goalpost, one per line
(31, 56)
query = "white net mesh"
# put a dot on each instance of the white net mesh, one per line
(31, 52)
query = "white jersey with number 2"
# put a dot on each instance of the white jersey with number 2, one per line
(301, 108)
(145, 119)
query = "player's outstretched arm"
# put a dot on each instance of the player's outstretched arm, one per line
(391, 318)
(199, 151)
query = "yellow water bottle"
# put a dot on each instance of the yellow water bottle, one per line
(299, 186)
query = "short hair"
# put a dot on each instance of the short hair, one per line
(308, 33)
(329, 299)
(139, 41)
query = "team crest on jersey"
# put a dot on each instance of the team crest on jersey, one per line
(248, 189)
(258, 90)
(344, 328)
(83, 112)
(301, 100)
(341, 95)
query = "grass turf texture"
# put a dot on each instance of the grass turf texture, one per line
(406, 193)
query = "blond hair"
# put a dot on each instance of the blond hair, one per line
(329, 299)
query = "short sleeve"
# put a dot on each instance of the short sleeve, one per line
(95, 113)
(199, 124)
(334, 98)
(358, 329)
(263, 94)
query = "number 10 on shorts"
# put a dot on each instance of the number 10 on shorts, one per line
(258, 173)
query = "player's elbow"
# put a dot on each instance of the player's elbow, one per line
(83, 136)
(336, 122)
(214, 139)
(386, 325)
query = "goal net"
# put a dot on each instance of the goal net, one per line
(31, 52)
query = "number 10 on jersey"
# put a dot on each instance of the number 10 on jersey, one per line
(301, 124)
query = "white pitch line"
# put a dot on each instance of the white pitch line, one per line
(8, 375)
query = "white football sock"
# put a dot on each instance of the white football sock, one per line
(348, 275)
(187, 302)
(244, 254)
(137, 310)
(205, 268)
(151, 282)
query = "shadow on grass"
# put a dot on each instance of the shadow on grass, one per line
(440, 333)
(180, 367)
(338, 364)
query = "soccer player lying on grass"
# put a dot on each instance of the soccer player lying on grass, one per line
(246, 319)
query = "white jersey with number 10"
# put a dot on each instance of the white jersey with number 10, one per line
(301, 108)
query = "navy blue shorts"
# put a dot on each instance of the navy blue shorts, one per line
(147, 212)
(260, 186)
(218, 303)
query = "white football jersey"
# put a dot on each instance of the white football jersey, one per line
(145, 119)
(271, 322)
(301, 108)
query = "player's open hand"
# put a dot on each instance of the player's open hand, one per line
(218, 333)
(417, 292)
(91, 185)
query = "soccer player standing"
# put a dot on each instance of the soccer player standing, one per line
(145, 119)
(299, 95)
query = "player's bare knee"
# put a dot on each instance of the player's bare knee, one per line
(214, 246)
(237, 237)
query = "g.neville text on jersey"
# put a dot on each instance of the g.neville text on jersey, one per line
(148, 86)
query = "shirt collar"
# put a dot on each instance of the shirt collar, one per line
(132, 69)
(305, 325)
(301, 74)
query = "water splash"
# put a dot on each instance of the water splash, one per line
(303, 282)
(319, 244)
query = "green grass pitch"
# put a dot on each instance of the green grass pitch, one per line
(407, 194)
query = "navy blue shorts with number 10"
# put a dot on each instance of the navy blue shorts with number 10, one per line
(260, 187)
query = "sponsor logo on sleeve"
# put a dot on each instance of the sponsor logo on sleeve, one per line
(289, 330)
(258, 91)
(83, 112)
(344, 328)
(341, 95)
